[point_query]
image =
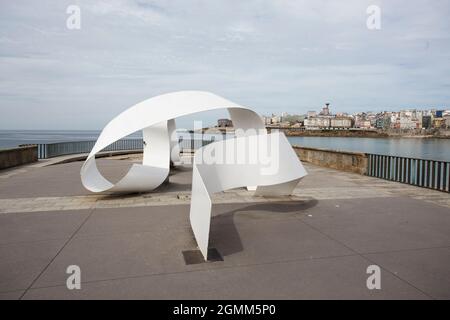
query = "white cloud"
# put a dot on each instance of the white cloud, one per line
(274, 56)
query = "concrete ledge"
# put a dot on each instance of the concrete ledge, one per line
(18, 156)
(341, 160)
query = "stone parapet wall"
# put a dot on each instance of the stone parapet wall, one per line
(341, 160)
(18, 156)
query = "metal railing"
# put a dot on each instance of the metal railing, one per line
(430, 174)
(49, 150)
(187, 145)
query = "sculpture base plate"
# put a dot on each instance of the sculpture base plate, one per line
(196, 257)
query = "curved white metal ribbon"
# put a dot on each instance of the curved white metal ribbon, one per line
(155, 117)
(275, 169)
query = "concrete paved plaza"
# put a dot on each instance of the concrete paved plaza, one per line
(316, 244)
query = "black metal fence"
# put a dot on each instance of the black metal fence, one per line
(49, 150)
(430, 174)
(193, 144)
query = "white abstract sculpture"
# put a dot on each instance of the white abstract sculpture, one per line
(275, 173)
(270, 165)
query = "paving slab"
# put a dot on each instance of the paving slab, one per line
(329, 278)
(58, 180)
(371, 225)
(12, 295)
(135, 220)
(21, 263)
(260, 241)
(427, 269)
(120, 255)
(38, 226)
(138, 241)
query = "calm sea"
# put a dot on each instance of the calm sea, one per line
(13, 138)
(436, 149)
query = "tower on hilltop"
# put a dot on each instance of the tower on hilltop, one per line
(326, 109)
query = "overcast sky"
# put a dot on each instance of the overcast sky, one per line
(272, 56)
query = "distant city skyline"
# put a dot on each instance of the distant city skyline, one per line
(334, 111)
(408, 119)
(273, 56)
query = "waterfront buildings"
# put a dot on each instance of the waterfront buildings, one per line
(326, 120)
(224, 123)
(341, 122)
(408, 119)
(311, 114)
(315, 123)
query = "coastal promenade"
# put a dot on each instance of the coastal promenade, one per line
(315, 244)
